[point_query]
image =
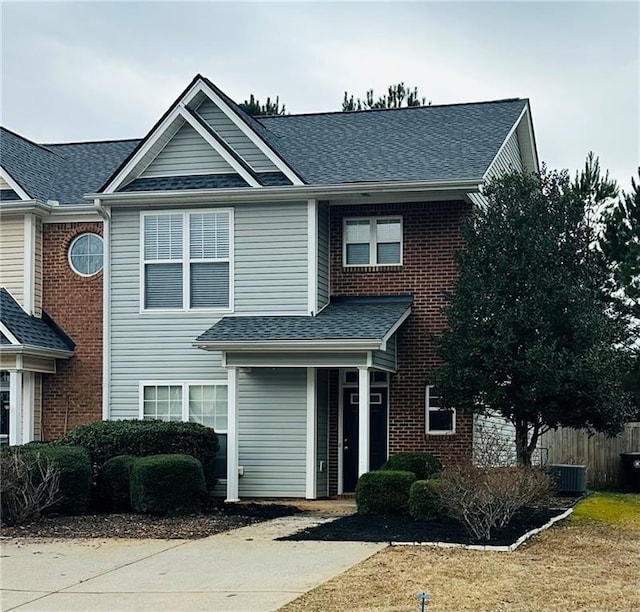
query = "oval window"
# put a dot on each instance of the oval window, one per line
(85, 254)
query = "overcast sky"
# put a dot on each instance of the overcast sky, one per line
(90, 71)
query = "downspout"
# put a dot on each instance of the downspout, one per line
(105, 213)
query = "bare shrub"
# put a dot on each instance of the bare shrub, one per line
(486, 498)
(29, 483)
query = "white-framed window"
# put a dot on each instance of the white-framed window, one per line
(439, 420)
(86, 256)
(203, 402)
(186, 260)
(372, 241)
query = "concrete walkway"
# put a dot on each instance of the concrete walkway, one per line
(244, 569)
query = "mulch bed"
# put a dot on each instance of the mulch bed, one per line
(376, 528)
(130, 525)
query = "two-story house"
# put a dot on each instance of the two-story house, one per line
(280, 279)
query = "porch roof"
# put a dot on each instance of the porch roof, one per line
(30, 331)
(358, 320)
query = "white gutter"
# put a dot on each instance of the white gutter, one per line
(297, 346)
(288, 192)
(36, 207)
(36, 351)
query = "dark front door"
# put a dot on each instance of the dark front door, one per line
(378, 402)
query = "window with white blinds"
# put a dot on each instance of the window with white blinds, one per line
(373, 241)
(187, 260)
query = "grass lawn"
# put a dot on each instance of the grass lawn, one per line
(589, 563)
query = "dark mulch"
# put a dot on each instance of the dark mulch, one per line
(376, 528)
(130, 525)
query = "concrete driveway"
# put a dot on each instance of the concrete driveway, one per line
(244, 569)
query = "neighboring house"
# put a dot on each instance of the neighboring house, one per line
(280, 279)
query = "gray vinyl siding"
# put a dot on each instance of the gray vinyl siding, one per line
(328, 360)
(272, 407)
(187, 153)
(271, 258)
(235, 138)
(508, 160)
(322, 434)
(148, 346)
(386, 360)
(323, 254)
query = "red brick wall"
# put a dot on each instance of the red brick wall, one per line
(72, 396)
(431, 235)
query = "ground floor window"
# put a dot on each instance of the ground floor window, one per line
(198, 402)
(439, 420)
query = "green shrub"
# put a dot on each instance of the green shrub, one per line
(384, 492)
(423, 465)
(424, 500)
(75, 474)
(113, 484)
(167, 484)
(107, 439)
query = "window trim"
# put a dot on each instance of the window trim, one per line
(428, 409)
(186, 261)
(73, 243)
(373, 243)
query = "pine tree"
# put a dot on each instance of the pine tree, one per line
(253, 107)
(397, 96)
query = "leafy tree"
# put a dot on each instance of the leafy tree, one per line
(529, 335)
(253, 107)
(397, 96)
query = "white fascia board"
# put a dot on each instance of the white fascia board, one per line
(38, 208)
(531, 139)
(394, 329)
(73, 213)
(34, 351)
(300, 346)
(120, 178)
(8, 335)
(14, 184)
(271, 194)
(214, 144)
(514, 127)
(244, 128)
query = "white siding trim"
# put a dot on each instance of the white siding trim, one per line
(29, 263)
(363, 420)
(394, 329)
(232, 436)
(15, 407)
(312, 256)
(248, 132)
(27, 407)
(312, 416)
(106, 314)
(218, 148)
(13, 184)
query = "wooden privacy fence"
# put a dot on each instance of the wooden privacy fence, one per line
(598, 452)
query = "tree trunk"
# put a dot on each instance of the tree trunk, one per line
(523, 451)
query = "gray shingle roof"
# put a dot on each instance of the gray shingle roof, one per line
(30, 330)
(346, 318)
(203, 181)
(408, 144)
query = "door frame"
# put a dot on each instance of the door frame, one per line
(341, 387)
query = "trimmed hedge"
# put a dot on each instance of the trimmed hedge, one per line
(384, 492)
(423, 465)
(424, 500)
(75, 474)
(167, 484)
(107, 439)
(113, 483)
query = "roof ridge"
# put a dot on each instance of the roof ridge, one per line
(35, 144)
(404, 108)
(83, 142)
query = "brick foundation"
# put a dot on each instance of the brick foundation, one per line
(72, 396)
(431, 236)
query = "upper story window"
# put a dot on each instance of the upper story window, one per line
(186, 260)
(86, 254)
(439, 420)
(372, 241)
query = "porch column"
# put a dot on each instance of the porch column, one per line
(15, 407)
(232, 436)
(27, 407)
(363, 420)
(312, 416)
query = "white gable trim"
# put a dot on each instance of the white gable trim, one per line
(248, 132)
(14, 185)
(186, 115)
(8, 335)
(514, 127)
